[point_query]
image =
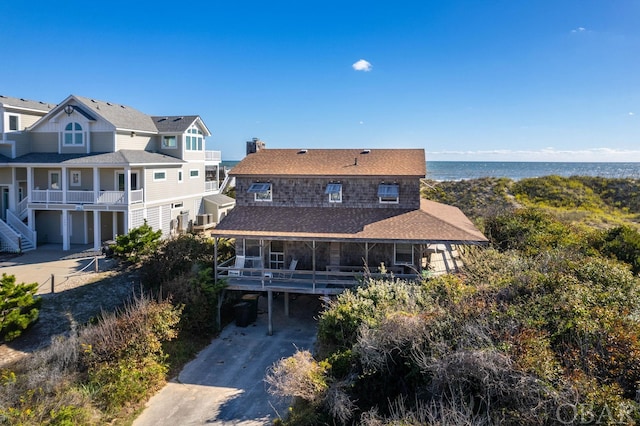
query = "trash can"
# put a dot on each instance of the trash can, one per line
(252, 300)
(243, 314)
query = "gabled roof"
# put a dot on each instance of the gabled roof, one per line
(122, 157)
(333, 162)
(121, 116)
(178, 123)
(7, 101)
(431, 223)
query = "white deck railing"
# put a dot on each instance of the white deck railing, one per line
(21, 208)
(211, 186)
(51, 196)
(46, 196)
(213, 156)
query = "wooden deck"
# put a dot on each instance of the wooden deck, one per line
(303, 282)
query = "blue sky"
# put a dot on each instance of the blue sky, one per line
(545, 80)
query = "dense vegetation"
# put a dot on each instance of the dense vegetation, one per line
(18, 307)
(103, 372)
(542, 328)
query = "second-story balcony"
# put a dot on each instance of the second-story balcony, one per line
(213, 156)
(53, 196)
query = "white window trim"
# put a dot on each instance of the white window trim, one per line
(194, 170)
(155, 179)
(74, 132)
(339, 199)
(390, 201)
(395, 255)
(177, 205)
(121, 172)
(268, 192)
(73, 173)
(9, 129)
(50, 182)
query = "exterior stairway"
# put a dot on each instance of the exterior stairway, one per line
(15, 236)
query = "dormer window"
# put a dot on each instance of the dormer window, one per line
(193, 141)
(73, 134)
(335, 192)
(261, 191)
(388, 193)
(169, 142)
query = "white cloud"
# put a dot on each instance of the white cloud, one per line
(579, 30)
(362, 65)
(632, 113)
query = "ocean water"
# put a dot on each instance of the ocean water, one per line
(459, 170)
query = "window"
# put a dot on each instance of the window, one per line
(14, 123)
(194, 173)
(193, 140)
(261, 191)
(159, 176)
(388, 193)
(169, 142)
(75, 178)
(179, 175)
(54, 180)
(335, 192)
(403, 254)
(73, 134)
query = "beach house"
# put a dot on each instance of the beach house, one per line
(84, 170)
(316, 220)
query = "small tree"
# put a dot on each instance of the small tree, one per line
(18, 307)
(138, 242)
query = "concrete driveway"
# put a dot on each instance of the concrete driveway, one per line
(225, 384)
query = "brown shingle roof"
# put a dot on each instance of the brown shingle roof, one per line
(333, 162)
(432, 223)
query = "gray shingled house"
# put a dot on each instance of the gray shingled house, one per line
(314, 220)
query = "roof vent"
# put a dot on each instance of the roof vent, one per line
(303, 151)
(93, 100)
(178, 118)
(108, 104)
(365, 151)
(123, 107)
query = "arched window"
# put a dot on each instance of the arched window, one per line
(73, 134)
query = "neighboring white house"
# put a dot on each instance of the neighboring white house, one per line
(84, 171)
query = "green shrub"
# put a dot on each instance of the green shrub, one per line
(137, 243)
(622, 243)
(18, 307)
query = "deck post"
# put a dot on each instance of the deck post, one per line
(215, 260)
(313, 246)
(286, 304)
(269, 311)
(219, 312)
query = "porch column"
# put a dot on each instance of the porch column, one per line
(29, 183)
(64, 184)
(66, 239)
(96, 185)
(97, 241)
(114, 225)
(127, 188)
(13, 191)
